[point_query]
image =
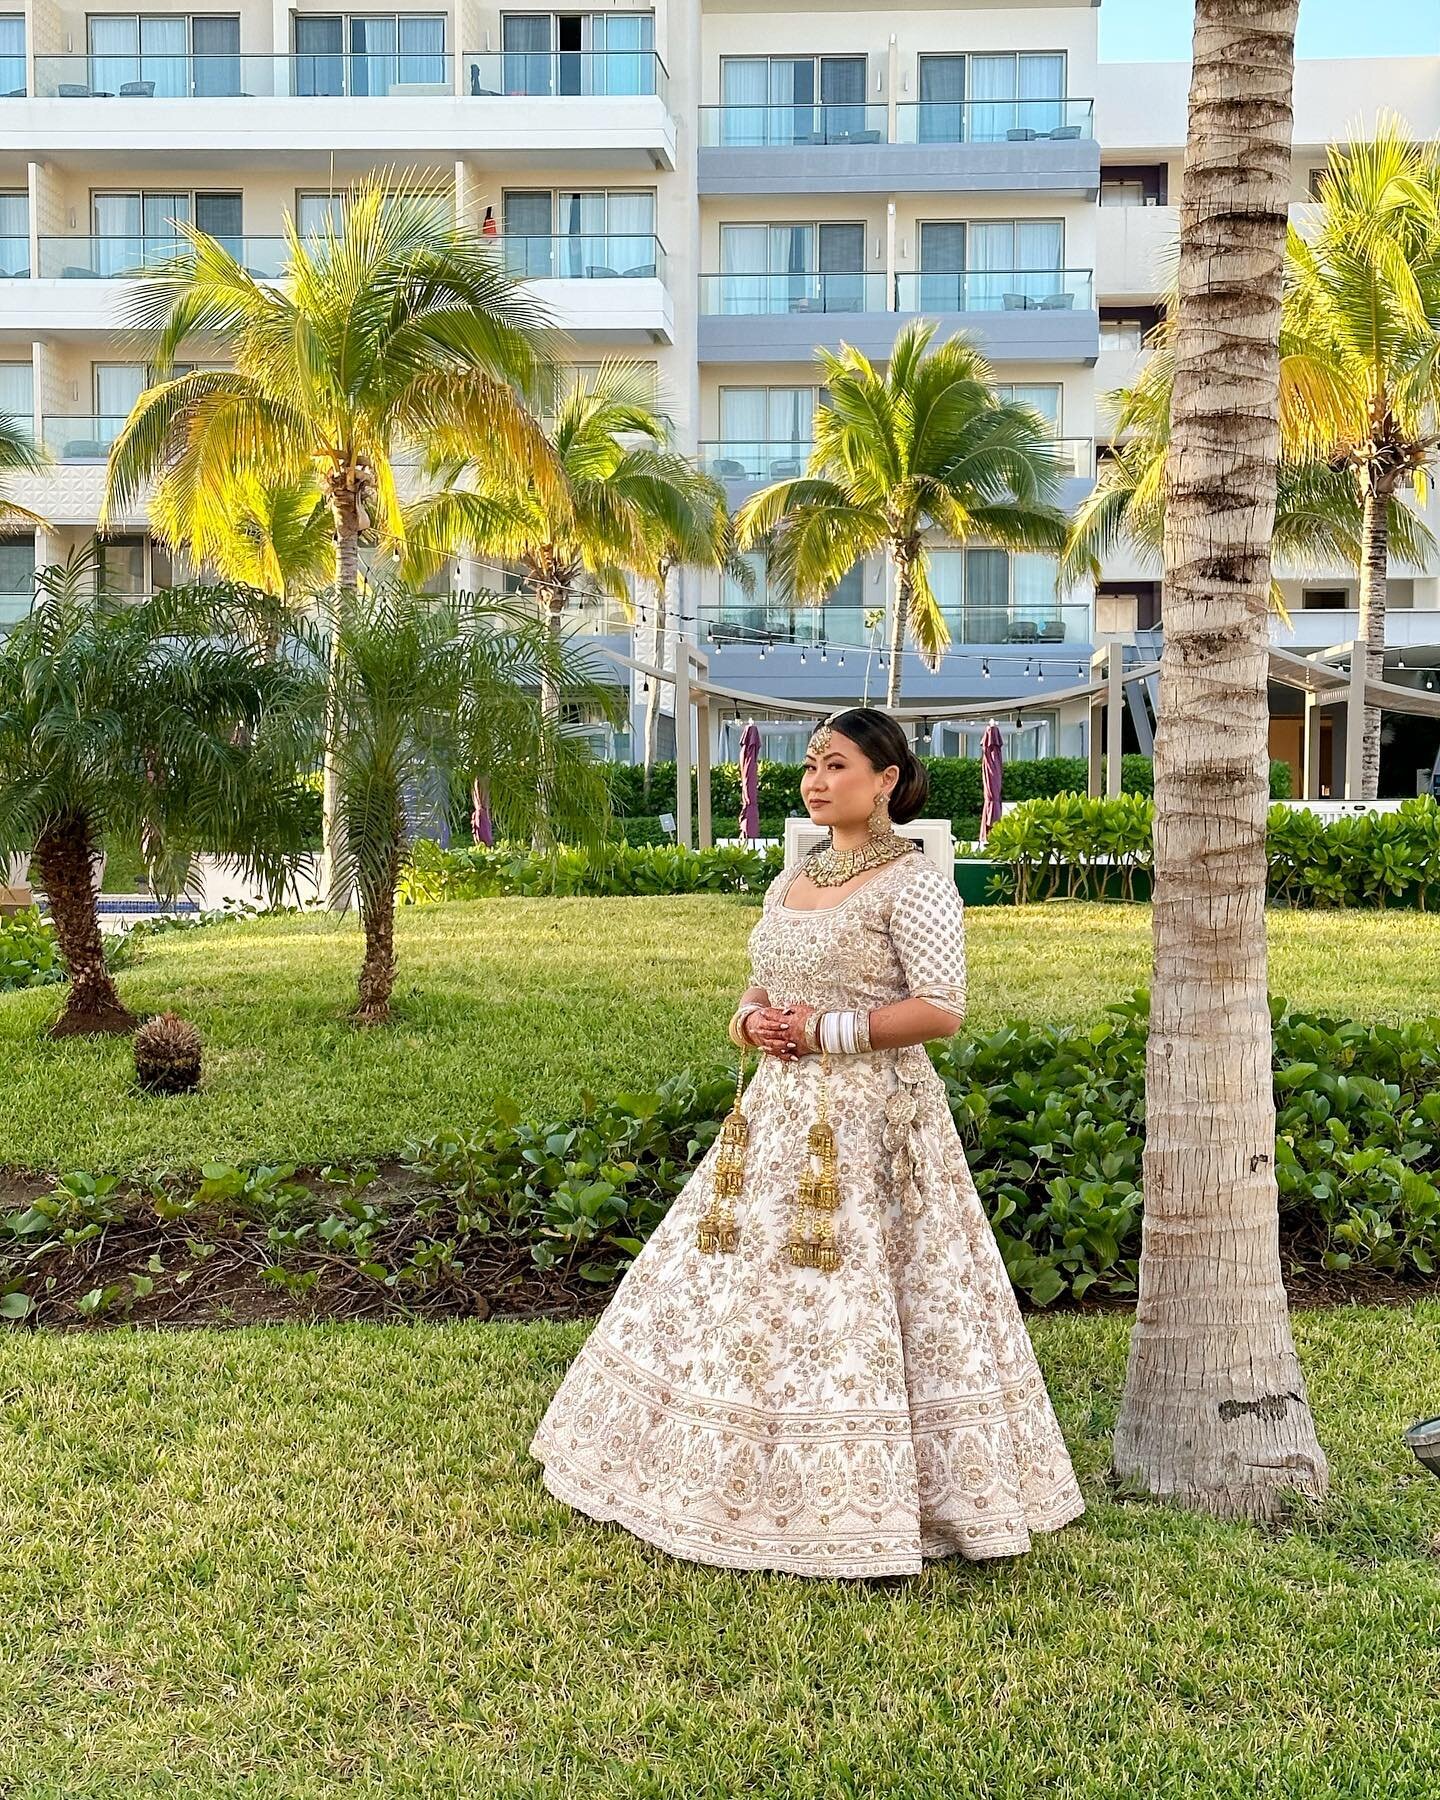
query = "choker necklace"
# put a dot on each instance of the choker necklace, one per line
(828, 867)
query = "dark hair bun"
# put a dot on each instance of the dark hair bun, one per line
(884, 743)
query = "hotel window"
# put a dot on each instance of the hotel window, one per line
(1144, 184)
(315, 210)
(165, 55)
(980, 265)
(994, 597)
(369, 53)
(573, 53)
(1043, 396)
(792, 100)
(815, 267)
(766, 432)
(573, 235)
(1125, 329)
(989, 99)
(762, 617)
(14, 234)
(132, 567)
(17, 393)
(12, 55)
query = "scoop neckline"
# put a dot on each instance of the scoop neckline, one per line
(800, 912)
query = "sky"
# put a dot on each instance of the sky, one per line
(1160, 30)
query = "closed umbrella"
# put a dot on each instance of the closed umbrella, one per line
(991, 768)
(750, 781)
(481, 828)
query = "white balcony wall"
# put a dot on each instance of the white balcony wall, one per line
(1134, 251)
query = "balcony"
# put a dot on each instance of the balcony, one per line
(609, 288)
(1010, 146)
(1024, 315)
(604, 108)
(125, 258)
(1318, 628)
(1135, 251)
(81, 440)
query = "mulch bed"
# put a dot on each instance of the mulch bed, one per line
(227, 1288)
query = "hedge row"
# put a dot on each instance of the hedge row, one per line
(1077, 848)
(955, 785)
(1052, 1123)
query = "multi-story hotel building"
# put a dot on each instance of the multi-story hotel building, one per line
(713, 188)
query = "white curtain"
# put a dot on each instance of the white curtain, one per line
(164, 55)
(992, 95)
(1040, 250)
(744, 91)
(17, 392)
(744, 427)
(1040, 84)
(580, 223)
(743, 285)
(624, 64)
(1033, 588)
(630, 222)
(990, 254)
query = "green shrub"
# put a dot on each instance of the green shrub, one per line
(473, 872)
(1052, 1122)
(29, 956)
(1076, 848)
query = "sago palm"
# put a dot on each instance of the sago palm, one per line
(391, 328)
(623, 504)
(158, 720)
(1360, 349)
(429, 690)
(926, 449)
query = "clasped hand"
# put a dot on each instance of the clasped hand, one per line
(778, 1030)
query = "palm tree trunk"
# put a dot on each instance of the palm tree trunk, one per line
(377, 915)
(347, 577)
(1215, 1413)
(62, 860)
(652, 699)
(900, 624)
(1374, 563)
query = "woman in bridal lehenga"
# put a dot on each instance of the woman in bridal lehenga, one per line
(816, 1363)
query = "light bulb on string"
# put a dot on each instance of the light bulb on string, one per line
(985, 667)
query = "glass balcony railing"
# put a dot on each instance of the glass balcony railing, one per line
(1077, 458)
(140, 77)
(992, 121)
(115, 258)
(14, 257)
(12, 78)
(798, 292)
(81, 440)
(760, 624)
(750, 459)
(544, 74)
(737, 127)
(1040, 625)
(995, 290)
(606, 257)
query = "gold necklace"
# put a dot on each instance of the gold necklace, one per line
(828, 867)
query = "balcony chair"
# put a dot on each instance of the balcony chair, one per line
(599, 272)
(137, 90)
(15, 94)
(1022, 631)
(1056, 303)
(1021, 134)
(1052, 631)
(1014, 302)
(786, 468)
(641, 272)
(1065, 131)
(856, 137)
(729, 469)
(73, 90)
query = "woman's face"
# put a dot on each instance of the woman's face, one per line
(839, 788)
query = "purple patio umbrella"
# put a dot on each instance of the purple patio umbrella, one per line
(750, 781)
(991, 767)
(481, 829)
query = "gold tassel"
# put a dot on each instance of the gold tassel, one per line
(718, 1230)
(811, 1244)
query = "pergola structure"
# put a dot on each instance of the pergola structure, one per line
(1314, 675)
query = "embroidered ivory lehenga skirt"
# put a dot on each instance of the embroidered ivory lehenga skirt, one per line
(738, 1410)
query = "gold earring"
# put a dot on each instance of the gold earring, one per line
(718, 1230)
(879, 820)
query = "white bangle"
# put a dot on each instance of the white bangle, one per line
(838, 1032)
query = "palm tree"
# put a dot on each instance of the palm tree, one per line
(425, 687)
(624, 505)
(392, 328)
(1215, 1413)
(19, 455)
(1361, 351)
(158, 720)
(1318, 516)
(274, 537)
(927, 446)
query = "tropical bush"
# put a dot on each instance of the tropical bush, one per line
(29, 954)
(1078, 849)
(1052, 1121)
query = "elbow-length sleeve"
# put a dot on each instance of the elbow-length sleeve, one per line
(927, 928)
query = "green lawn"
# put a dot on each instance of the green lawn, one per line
(319, 1562)
(540, 999)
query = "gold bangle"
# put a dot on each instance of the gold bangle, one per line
(862, 1029)
(810, 1034)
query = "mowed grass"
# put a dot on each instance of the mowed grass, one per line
(541, 999)
(319, 1562)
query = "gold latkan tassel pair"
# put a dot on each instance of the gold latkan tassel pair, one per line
(811, 1244)
(718, 1230)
